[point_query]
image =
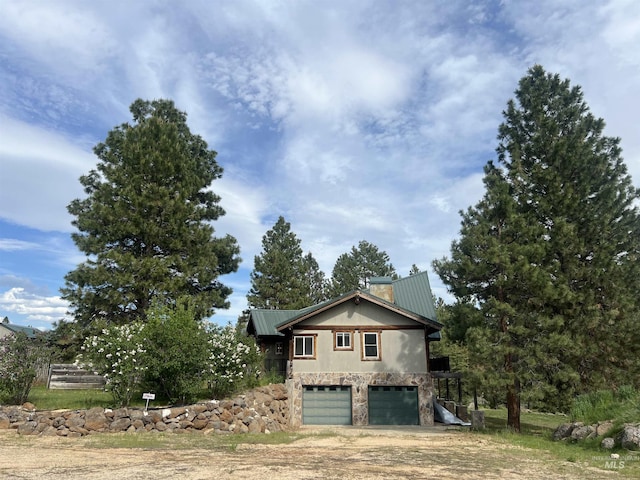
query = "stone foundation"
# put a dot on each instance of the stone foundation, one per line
(359, 383)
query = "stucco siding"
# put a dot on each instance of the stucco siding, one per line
(364, 314)
(401, 350)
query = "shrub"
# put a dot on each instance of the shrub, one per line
(18, 356)
(177, 352)
(118, 354)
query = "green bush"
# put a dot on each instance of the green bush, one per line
(177, 353)
(18, 356)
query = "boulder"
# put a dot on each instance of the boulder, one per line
(4, 421)
(28, 428)
(564, 431)
(120, 425)
(603, 428)
(582, 432)
(630, 437)
(95, 419)
(608, 443)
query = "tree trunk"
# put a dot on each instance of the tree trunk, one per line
(513, 406)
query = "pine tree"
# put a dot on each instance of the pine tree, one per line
(573, 181)
(354, 270)
(145, 224)
(315, 284)
(549, 255)
(283, 278)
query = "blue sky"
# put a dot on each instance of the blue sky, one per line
(353, 119)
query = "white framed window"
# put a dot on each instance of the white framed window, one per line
(371, 346)
(342, 341)
(304, 346)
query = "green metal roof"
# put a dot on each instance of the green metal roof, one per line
(265, 321)
(412, 293)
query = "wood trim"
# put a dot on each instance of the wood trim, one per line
(362, 328)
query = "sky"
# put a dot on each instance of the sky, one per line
(354, 120)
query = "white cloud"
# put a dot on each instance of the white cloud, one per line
(32, 306)
(12, 245)
(354, 120)
(42, 171)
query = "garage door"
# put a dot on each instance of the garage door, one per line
(326, 405)
(393, 406)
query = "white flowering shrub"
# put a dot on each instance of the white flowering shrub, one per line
(118, 354)
(234, 360)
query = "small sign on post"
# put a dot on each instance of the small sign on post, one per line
(147, 397)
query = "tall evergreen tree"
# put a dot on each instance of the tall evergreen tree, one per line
(549, 255)
(572, 180)
(353, 270)
(283, 278)
(145, 223)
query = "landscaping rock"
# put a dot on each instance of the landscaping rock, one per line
(582, 432)
(28, 428)
(257, 411)
(608, 443)
(563, 431)
(603, 428)
(630, 438)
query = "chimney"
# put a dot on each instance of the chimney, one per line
(382, 287)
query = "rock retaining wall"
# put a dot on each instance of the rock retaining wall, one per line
(263, 410)
(628, 438)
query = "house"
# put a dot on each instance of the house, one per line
(7, 328)
(359, 359)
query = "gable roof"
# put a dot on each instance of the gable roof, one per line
(412, 299)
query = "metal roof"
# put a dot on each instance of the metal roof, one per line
(264, 321)
(30, 332)
(411, 294)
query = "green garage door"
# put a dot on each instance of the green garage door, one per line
(393, 406)
(326, 405)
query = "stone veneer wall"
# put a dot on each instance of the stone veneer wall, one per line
(359, 383)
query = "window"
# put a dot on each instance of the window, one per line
(370, 345)
(304, 346)
(279, 348)
(342, 341)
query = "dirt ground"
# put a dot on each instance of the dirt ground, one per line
(352, 453)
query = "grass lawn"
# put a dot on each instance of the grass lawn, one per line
(45, 399)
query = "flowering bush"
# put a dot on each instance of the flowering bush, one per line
(233, 360)
(18, 356)
(117, 354)
(173, 354)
